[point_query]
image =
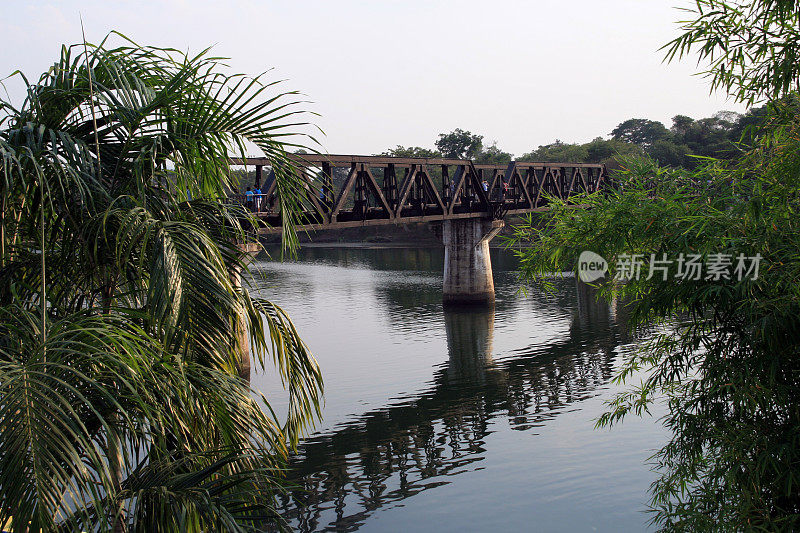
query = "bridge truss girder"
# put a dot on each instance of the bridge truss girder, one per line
(383, 190)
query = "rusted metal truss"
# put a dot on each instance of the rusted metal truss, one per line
(350, 190)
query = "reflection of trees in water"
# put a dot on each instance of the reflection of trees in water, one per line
(390, 258)
(503, 260)
(378, 259)
(393, 453)
(409, 303)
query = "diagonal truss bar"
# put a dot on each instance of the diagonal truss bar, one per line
(516, 177)
(344, 192)
(458, 180)
(311, 192)
(405, 189)
(473, 175)
(433, 192)
(372, 184)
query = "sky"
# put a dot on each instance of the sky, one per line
(383, 73)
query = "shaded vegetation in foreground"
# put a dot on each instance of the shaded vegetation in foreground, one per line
(122, 325)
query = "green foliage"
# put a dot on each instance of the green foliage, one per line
(686, 144)
(752, 46)
(492, 155)
(598, 150)
(688, 141)
(557, 151)
(76, 384)
(669, 153)
(459, 144)
(604, 151)
(727, 357)
(640, 131)
(121, 321)
(411, 151)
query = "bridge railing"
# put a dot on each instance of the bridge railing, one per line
(351, 190)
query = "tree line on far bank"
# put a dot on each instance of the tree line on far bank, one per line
(684, 144)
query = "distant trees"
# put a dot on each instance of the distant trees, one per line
(411, 151)
(460, 144)
(598, 150)
(686, 143)
(680, 145)
(493, 155)
(557, 151)
(722, 136)
(640, 131)
(671, 154)
(606, 151)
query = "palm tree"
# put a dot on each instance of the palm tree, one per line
(120, 402)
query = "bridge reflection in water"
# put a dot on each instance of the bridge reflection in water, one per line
(394, 453)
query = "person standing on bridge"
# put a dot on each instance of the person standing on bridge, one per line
(248, 200)
(257, 196)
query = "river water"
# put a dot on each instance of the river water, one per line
(471, 420)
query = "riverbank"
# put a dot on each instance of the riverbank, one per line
(415, 235)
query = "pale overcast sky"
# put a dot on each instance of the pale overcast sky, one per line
(383, 73)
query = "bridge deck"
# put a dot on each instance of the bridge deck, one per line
(350, 190)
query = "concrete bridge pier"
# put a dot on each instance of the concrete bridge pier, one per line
(467, 265)
(241, 332)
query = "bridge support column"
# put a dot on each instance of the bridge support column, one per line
(241, 332)
(467, 265)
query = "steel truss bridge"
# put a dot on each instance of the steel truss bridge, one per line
(352, 190)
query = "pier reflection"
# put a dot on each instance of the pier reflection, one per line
(469, 344)
(391, 454)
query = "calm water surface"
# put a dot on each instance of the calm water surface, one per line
(439, 420)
